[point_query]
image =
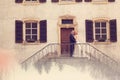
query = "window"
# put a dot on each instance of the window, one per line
(30, 31)
(99, 1)
(66, 1)
(101, 31)
(30, 1)
(67, 21)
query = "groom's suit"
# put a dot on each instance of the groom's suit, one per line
(72, 42)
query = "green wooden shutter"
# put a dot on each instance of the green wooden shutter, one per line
(111, 0)
(88, 0)
(113, 30)
(18, 31)
(18, 1)
(43, 31)
(89, 30)
(42, 1)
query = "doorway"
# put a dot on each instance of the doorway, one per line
(65, 46)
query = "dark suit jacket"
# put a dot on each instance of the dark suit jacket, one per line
(72, 39)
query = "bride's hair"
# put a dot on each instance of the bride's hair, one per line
(75, 32)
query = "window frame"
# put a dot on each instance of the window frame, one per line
(67, 17)
(107, 30)
(24, 32)
(37, 2)
(30, 2)
(20, 31)
(29, 31)
(67, 1)
(67, 21)
(99, 2)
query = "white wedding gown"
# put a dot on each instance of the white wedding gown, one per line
(77, 50)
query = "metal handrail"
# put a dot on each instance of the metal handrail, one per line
(84, 49)
(36, 53)
(103, 54)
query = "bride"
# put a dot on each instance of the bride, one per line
(77, 52)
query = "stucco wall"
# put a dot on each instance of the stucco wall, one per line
(62, 68)
(10, 11)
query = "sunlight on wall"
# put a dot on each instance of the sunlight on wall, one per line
(7, 59)
(7, 62)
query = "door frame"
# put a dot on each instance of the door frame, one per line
(60, 25)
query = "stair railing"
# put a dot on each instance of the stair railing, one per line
(48, 49)
(95, 54)
(83, 50)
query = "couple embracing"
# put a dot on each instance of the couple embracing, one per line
(73, 41)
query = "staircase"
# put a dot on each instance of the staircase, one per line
(89, 56)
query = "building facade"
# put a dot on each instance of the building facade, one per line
(28, 25)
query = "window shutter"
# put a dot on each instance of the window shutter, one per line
(55, 1)
(43, 31)
(18, 1)
(111, 0)
(89, 30)
(113, 30)
(88, 0)
(18, 31)
(42, 1)
(78, 0)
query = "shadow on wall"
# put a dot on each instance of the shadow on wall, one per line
(97, 70)
(47, 64)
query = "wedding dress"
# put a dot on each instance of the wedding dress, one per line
(77, 49)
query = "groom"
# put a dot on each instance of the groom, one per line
(72, 42)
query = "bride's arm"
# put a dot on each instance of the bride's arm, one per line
(77, 39)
